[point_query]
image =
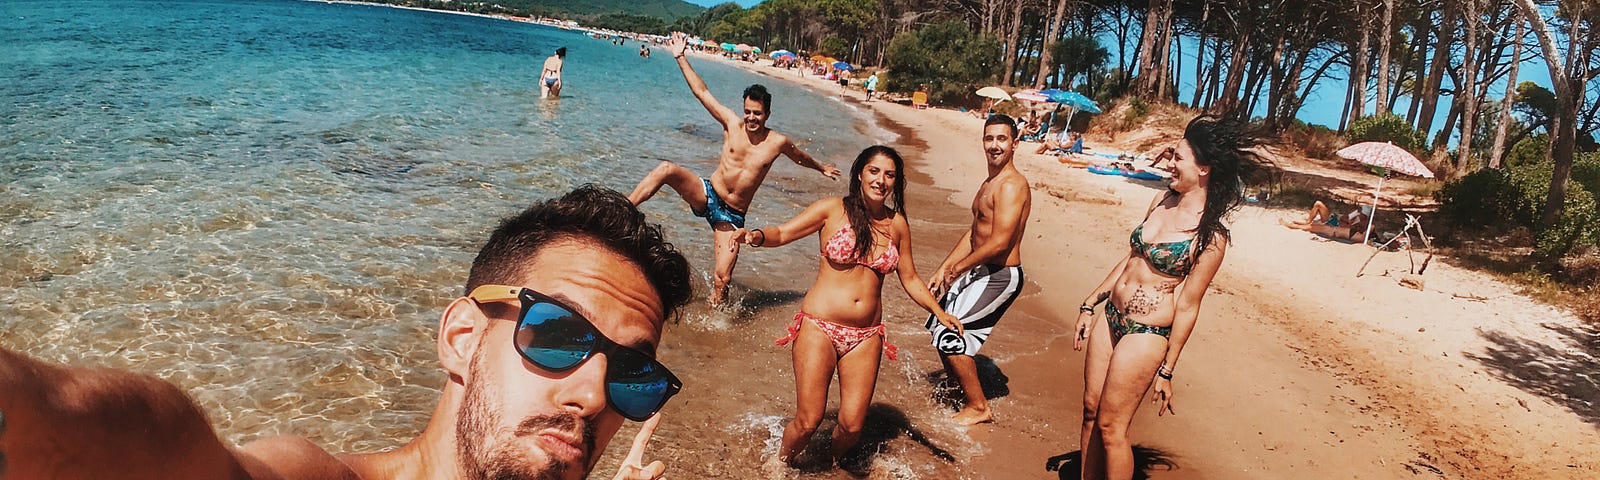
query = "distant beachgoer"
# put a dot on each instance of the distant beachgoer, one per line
(872, 85)
(844, 81)
(1350, 227)
(1067, 141)
(578, 287)
(644, 51)
(1155, 290)
(840, 324)
(982, 275)
(748, 150)
(550, 78)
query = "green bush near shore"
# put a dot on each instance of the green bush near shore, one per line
(1385, 128)
(946, 57)
(1494, 201)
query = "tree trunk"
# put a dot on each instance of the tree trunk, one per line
(1164, 42)
(1497, 153)
(1147, 49)
(1300, 101)
(1274, 91)
(1387, 33)
(1229, 99)
(1436, 69)
(1215, 76)
(1011, 44)
(1200, 59)
(1418, 81)
(1052, 34)
(1563, 138)
(1359, 67)
(1469, 100)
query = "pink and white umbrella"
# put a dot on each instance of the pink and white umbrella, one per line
(1031, 95)
(1389, 157)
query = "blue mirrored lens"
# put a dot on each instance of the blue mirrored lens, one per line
(554, 337)
(636, 385)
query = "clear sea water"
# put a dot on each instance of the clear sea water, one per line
(269, 202)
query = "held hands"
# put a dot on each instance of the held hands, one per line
(633, 467)
(951, 322)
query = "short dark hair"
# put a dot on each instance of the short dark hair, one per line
(758, 92)
(593, 214)
(561, 52)
(998, 119)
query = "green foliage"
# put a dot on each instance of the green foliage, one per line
(1385, 128)
(1076, 55)
(1499, 200)
(1535, 104)
(945, 56)
(1137, 110)
(631, 23)
(583, 9)
(1316, 141)
(1529, 150)
(700, 24)
(774, 23)
(834, 46)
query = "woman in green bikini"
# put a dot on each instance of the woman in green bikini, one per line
(1154, 293)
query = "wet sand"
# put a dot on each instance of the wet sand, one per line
(1297, 366)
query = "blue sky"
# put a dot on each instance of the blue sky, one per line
(713, 3)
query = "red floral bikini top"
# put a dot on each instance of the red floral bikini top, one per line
(841, 248)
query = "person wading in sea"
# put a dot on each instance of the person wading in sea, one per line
(983, 273)
(748, 151)
(579, 287)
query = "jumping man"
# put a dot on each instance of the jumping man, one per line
(748, 150)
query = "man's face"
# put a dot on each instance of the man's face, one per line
(755, 116)
(999, 143)
(521, 421)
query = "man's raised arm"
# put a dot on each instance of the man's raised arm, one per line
(678, 45)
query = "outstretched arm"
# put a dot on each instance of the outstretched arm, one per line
(66, 422)
(805, 160)
(809, 221)
(912, 282)
(678, 45)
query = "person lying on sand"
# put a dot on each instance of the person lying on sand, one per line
(1350, 227)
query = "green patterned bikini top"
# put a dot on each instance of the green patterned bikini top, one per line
(1170, 258)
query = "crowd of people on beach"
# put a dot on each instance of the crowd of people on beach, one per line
(581, 286)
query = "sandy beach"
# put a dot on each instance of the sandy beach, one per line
(1297, 368)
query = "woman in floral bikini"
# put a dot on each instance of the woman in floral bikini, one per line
(1154, 292)
(839, 326)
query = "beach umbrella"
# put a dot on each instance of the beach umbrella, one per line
(1388, 157)
(741, 48)
(1074, 100)
(817, 58)
(782, 53)
(729, 46)
(1031, 95)
(755, 49)
(843, 66)
(696, 42)
(995, 93)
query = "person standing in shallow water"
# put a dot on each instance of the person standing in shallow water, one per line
(840, 324)
(982, 275)
(1152, 296)
(748, 151)
(550, 347)
(550, 76)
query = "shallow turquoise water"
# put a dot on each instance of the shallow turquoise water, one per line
(270, 201)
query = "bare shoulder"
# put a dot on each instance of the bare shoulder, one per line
(1015, 186)
(291, 457)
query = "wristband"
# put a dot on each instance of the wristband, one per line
(1164, 372)
(763, 238)
(1086, 308)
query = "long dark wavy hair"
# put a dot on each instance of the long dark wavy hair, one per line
(1225, 146)
(856, 209)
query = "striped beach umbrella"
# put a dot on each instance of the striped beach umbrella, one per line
(1388, 157)
(1031, 95)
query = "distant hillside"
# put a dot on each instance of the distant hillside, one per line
(667, 10)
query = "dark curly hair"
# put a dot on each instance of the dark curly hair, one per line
(1225, 146)
(860, 220)
(594, 214)
(758, 92)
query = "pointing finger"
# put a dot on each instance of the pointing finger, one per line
(641, 440)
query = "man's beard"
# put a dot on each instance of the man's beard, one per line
(477, 436)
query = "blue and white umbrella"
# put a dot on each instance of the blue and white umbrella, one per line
(843, 66)
(1073, 100)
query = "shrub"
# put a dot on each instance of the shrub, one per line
(1316, 141)
(1527, 151)
(946, 56)
(1496, 200)
(1385, 128)
(835, 46)
(1485, 200)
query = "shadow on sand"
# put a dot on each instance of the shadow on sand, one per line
(947, 391)
(884, 423)
(1570, 377)
(1145, 459)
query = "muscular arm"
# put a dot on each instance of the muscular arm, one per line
(1188, 301)
(65, 422)
(1009, 203)
(804, 159)
(809, 221)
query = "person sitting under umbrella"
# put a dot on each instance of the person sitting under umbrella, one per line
(1349, 227)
